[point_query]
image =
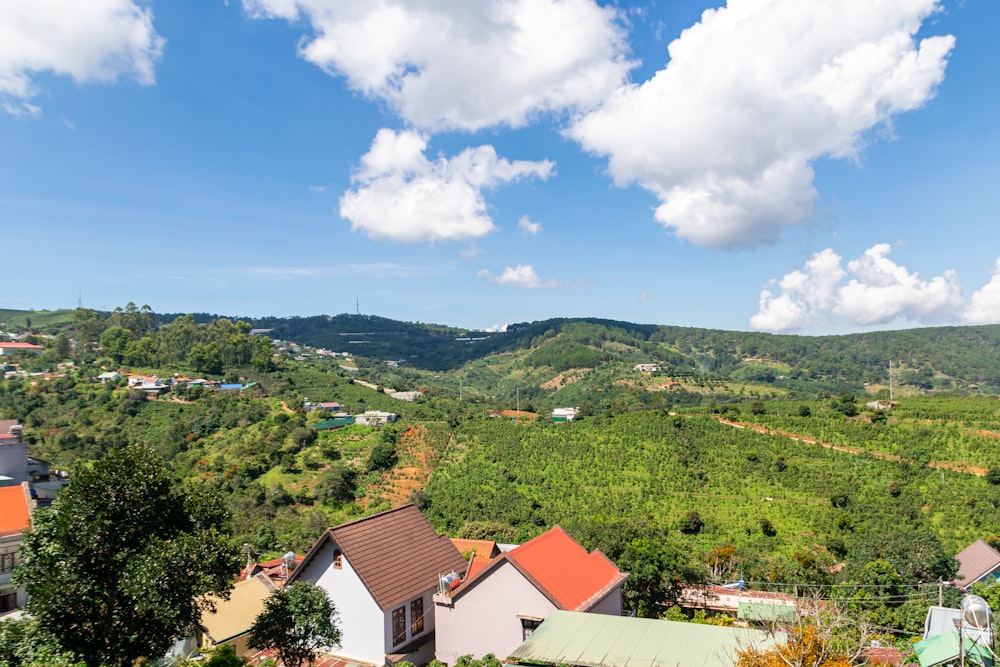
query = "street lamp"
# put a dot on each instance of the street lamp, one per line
(977, 614)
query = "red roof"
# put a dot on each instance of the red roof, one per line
(559, 568)
(566, 571)
(22, 346)
(15, 514)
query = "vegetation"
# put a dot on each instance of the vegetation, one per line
(745, 455)
(296, 622)
(119, 565)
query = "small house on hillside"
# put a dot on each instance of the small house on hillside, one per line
(977, 562)
(7, 349)
(381, 573)
(503, 600)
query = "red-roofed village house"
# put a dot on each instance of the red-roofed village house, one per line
(15, 516)
(499, 605)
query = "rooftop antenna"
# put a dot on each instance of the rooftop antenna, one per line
(248, 550)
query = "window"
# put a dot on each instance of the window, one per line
(8, 602)
(528, 626)
(399, 625)
(338, 560)
(416, 617)
(7, 561)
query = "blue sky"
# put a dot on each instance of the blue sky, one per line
(770, 165)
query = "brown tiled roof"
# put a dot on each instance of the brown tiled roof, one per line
(974, 561)
(5, 425)
(396, 554)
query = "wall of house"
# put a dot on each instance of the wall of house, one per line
(11, 597)
(359, 618)
(611, 604)
(484, 619)
(428, 598)
(14, 461)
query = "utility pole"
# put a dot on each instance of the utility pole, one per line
(890, 379)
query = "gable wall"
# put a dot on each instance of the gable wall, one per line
(484, 619)
(359, 618)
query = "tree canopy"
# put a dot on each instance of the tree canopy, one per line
(120, 564)
(296, 621)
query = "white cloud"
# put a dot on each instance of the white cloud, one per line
(985, 305)
(400, 195)
(645, 296)
(726, 133)
(528, 227)
(879, 292)
(522, 275)
(464, 65)
(95, 40)
(470, 251)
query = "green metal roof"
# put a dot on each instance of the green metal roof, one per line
(598, 640)
(334, 422)
(944, 648)
(762, 611)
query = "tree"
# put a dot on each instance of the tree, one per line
(691, 524)
(120, 564)
(296, 621)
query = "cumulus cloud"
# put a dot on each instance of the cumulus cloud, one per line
(464, 65)
(528, 227)
(879, 292)
(401, 195)
(522, 275)
(95, 40)
(985, 305)
(755, 92)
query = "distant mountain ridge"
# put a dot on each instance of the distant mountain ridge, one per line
(961, 358)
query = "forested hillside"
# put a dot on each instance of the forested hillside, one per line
(729, 460)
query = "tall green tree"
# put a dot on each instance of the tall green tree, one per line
(296, 621)
(120, 564)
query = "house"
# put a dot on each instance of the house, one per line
(977, 562)
(748, 607)
(646, 368)
(13, 454)
(109, 376)
(232, 619)
(7, 349)
(596, 640)
(375, 418)
(564, 414)
(15, 516)
(381, 573)
(500, 604)
(947, 636)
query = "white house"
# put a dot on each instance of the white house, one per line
(503, 601)
(381, 573)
